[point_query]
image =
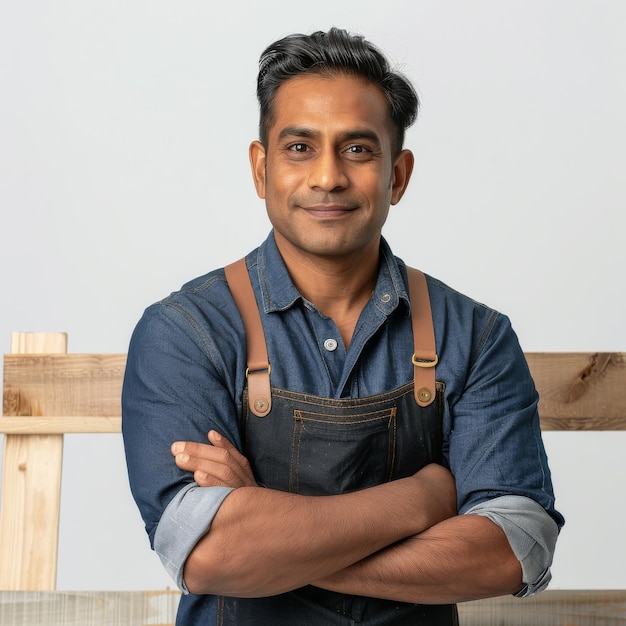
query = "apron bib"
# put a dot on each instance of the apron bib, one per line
(321, 446)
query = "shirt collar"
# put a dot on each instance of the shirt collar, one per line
(279, 293)
(277, 289)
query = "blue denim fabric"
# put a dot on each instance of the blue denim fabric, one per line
(186, 373)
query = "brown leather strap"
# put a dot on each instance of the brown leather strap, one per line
(258, 372)
(425, 356)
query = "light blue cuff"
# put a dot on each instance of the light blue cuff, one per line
(184, 522)
(532, 534)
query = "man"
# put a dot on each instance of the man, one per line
(355, 488)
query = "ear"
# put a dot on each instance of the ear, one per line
(402, 169)
(257, 163)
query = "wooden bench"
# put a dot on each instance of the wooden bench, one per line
(48, 393)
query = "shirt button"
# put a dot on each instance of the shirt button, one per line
(385, 297)
(330, 344)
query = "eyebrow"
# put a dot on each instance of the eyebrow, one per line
(309, 133)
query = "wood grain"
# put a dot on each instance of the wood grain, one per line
(59, 425)
(88, 608)
(550, 608)
(580, 390)
(31, 494)
(69, 384)
(158, 608)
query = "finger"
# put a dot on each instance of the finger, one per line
(177, 447)
(203, 450)
(192, 456)
(209, 480)
(220, 441)
(207, 473)
(215, 466)
(231, 460)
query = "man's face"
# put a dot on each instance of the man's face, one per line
(327, 173)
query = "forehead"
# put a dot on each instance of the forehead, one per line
(337, 102)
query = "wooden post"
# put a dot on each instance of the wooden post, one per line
(31, 491)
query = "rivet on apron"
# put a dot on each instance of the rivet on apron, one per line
(261, 405)
(424, 394)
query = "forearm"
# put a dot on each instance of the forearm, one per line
(264, 542)
(463, 558)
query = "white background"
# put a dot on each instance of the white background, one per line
(124, 129)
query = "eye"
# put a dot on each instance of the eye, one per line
(358, 152)
(298, 147)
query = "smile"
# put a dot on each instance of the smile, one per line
(328, 210)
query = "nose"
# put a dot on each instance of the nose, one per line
(327, 172)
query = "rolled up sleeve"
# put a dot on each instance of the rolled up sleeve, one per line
(177, 387)
(531, 533)
(497, 455)
(186, 519)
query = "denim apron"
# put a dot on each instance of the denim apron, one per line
(321, 446)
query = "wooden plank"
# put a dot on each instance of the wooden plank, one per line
(59, 425)
(580, 391)
(158, 608)
(63, 385)
(550, 608)
(38, 343)
(31, 494)
(89, 608)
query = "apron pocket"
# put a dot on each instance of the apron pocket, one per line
(331, 454)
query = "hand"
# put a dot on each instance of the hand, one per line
(217, 464)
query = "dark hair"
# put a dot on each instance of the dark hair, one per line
(334, 52)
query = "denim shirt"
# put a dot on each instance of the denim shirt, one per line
(186, 373)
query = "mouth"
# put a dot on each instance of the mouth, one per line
(325, 211)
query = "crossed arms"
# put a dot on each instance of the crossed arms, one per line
(401, 540)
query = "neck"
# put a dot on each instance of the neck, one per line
(338, 286)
